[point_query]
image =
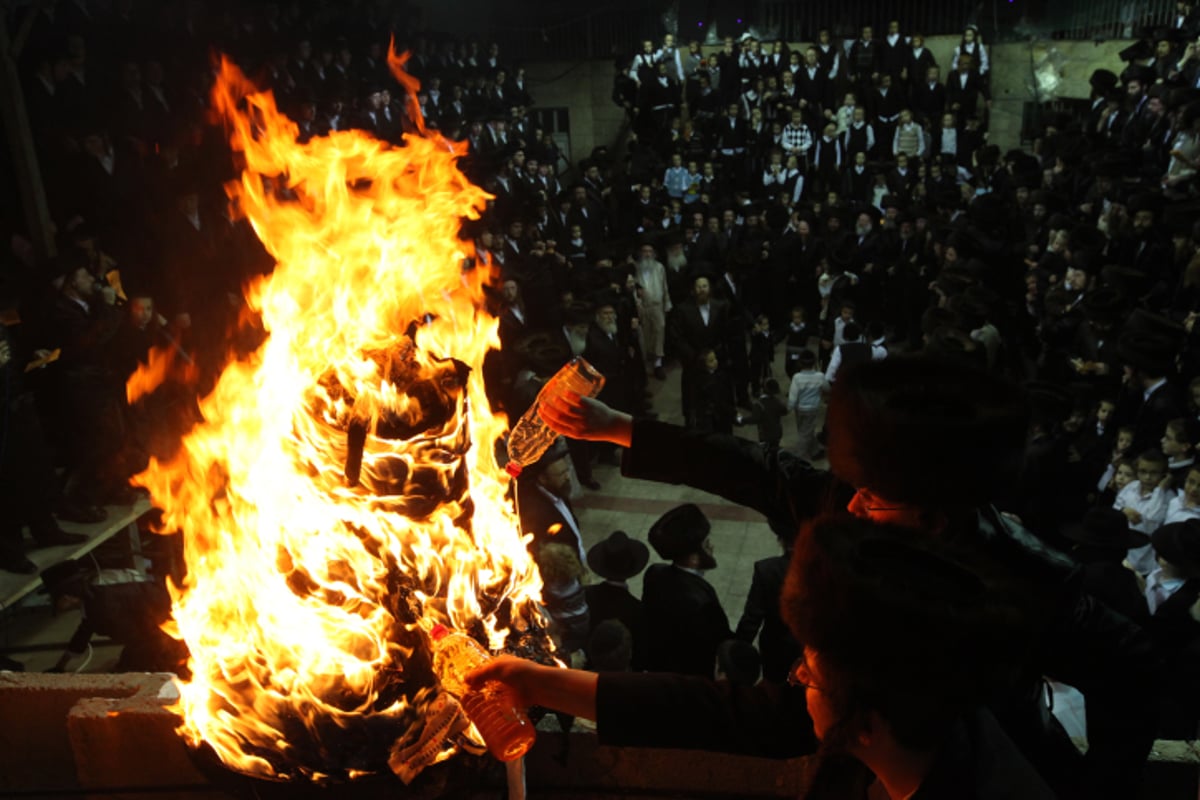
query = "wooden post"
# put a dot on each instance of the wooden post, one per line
(24, 156)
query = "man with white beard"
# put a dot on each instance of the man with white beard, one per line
(575, 328)
(656, 304)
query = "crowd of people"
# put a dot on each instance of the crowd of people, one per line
(835, 210)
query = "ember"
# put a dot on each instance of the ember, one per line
(341, 494)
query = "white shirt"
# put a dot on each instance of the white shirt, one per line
(1160, 589)
(878, 353)
(1154, 388)
(1153, 508)
(565, 511)
(705, 312)
(1179, 511)
(805, 392)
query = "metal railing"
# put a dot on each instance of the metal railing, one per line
(618, 28)
(1107, 19)
(596, 33)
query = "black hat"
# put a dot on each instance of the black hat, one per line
(605, 297)
(1107, 528)
(1178, 543)
(1104, 80)
(618, 557)
(1143, 321)
(926, 430)
(577, 313)
(543, 352)
(1104, 305)
(1151, 353)
(679, 532)
(1051, 402)
(1087, 237)
(1146, 201)
(1135, 52)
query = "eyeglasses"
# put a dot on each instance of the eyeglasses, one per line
(800, 675)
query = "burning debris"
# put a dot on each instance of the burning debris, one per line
(341, 496)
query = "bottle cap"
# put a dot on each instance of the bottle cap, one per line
(513, 469)
(438, 632)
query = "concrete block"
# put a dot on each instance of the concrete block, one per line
(132, 742)
(35, 751)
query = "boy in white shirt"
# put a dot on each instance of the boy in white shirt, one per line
(1144, 503)
(804, 400)
(1186, 504)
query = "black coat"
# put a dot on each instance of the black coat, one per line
(966, 96)
(761, 618)
(1084, 644)
(1178, 636)
(539, 515)
(609, 601)
(690, 336)
(929, 102)
(612, 358)
(684, 621)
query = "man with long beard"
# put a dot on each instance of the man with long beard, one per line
(656, 304)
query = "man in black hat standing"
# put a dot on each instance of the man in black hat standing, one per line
(700, 323)
(617, 559)
(1147, 348)
(684, 619)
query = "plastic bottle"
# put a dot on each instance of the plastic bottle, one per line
(531, 436)
(505, 728)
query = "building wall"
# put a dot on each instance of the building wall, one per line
(1014, 68)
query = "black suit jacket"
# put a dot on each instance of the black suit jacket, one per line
(539, 515)
(967, 96)
(929, 102)
(690, 336)
(775, 643)
(611, 357)
(684, 621)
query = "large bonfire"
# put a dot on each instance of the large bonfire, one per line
(341, 494)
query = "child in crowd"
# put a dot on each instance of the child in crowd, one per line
(769, 409)
(712, 397)
(675, 179)
(845, 114)
(562, 575)
(1178, 445)
(795, 341)
(804, 401)
(1144, 503)
(762, 353)
(1125, 473)
(1120, 452)
(691, 191)
(1186, 503)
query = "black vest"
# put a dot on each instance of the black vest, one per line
(854, 353)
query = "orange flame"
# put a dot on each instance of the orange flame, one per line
(159, 366)
(308, 589)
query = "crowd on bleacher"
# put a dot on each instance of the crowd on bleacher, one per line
(833, 203)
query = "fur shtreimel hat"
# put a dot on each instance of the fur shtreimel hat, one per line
(927, 431)
(679, 532)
